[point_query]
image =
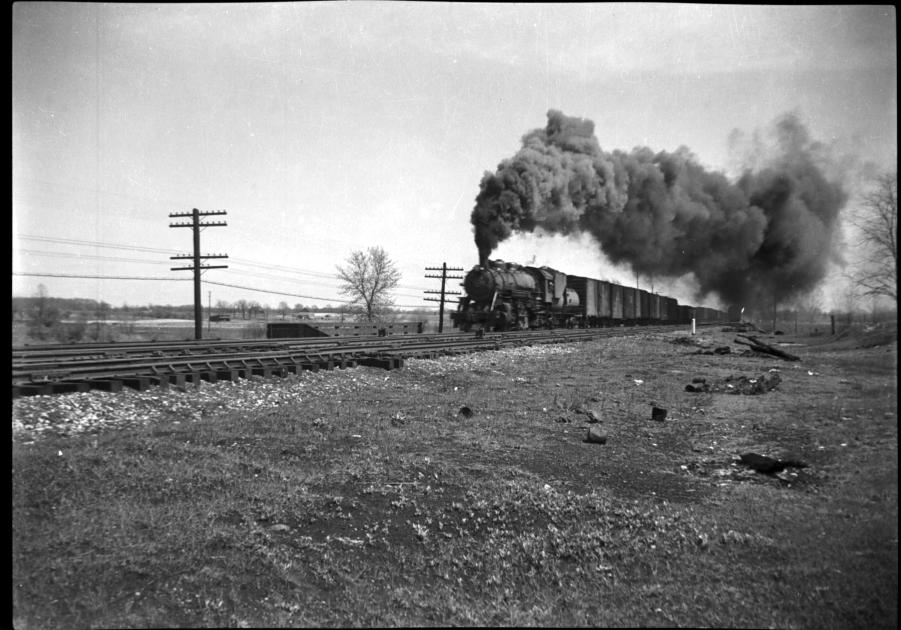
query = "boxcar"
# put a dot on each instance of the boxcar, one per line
(605, 300)
(654, 309)
(616, 301)
(672, 310)
(628, 304)
(642, 305)
(586, 289)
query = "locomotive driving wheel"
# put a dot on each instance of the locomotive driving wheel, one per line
(521, 317)
(503, 317)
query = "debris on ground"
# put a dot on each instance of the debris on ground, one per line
(717, 350)
(742, 385)
(658, 414)
(398, 419)
(785, 469)
(769, 465)
(758, 346)
(596, 435)
(592, 413)
(753, 386)
(741, 327)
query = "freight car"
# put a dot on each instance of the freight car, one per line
(508, 296)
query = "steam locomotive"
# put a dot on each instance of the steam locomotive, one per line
(508, 296)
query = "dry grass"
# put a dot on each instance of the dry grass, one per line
(376, 503)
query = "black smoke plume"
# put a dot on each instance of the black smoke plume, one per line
(767, 235)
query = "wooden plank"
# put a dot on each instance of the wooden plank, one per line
(37, 389)
(107, 385)
(139, 383)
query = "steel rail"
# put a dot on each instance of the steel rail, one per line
(79, 351)
(337, 346)
(289, 355)
(132, 366)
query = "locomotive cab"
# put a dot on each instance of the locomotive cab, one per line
(552, 284)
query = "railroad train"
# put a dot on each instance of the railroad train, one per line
(507, 296)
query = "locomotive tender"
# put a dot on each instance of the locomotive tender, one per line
(508, 296)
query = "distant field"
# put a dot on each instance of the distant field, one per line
(182, 329)
(153, 330)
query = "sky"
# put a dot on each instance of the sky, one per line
(325, 128)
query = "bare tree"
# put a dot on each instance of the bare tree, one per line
(877, 223)
(809, 304)
(367, 279)
(42, 315)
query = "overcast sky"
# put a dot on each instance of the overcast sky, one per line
(323, 128)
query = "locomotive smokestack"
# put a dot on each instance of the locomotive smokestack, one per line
(665, 215)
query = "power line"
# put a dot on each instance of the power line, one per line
(93, 257)
(301, 295)
(308, 297)
(72, 275)
(280, 278)
(243, 261)
(80, 256)
(284, 268)
(73, 241)
(224, 284)
(70, 241)
(238, 271)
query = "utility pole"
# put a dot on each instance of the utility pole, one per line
(195, 225)
(444, 277)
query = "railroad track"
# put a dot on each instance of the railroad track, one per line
(44, 370)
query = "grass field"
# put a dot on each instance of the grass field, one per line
(364, 497)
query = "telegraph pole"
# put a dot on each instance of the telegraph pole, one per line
(196, 257)
(444, 277)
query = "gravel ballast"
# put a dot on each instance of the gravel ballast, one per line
(95, 411)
